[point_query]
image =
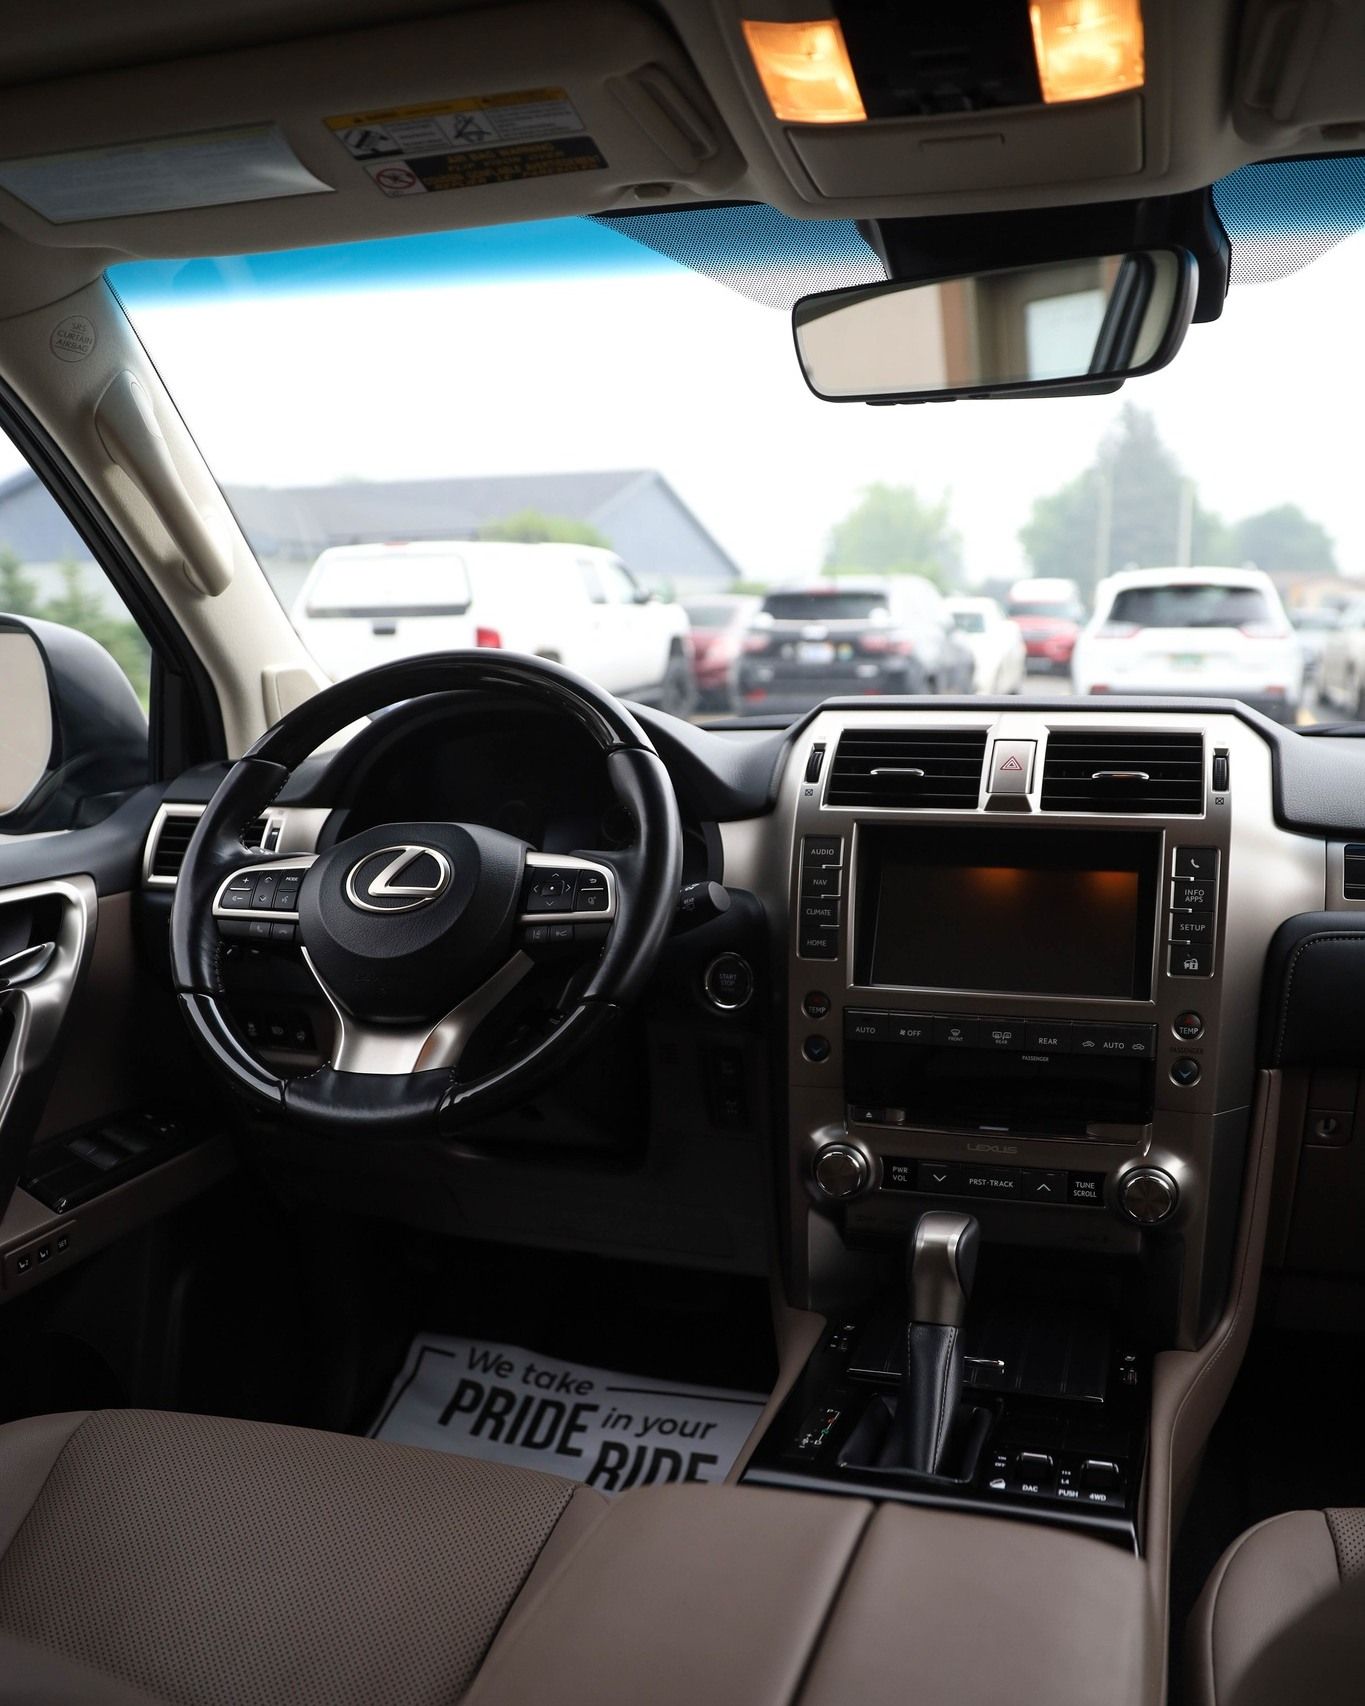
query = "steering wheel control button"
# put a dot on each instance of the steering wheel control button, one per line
(1185, 1073)
(1197, 862)
(550, 891)
(841, 1171)
(817, 1049)
(1188, 1026)
(816, 1004)
(263, 895)
(287, 892)
(1148, 1196)
(283, 931)
(729, 982)
(1190, 959)
(236, 900)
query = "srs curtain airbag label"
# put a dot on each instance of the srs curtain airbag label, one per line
(465, 143)
(612, 1431)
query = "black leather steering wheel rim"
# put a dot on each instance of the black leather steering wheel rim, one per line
(429, 1102)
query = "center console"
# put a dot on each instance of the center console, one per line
(1023, 956)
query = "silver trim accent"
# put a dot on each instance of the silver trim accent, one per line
(417, 894)
(38, 1006)
(299, 862)
(894, 770)
(571, 862)
(27, 964)
(714, 999)
(1120, 776)
(394, 1051)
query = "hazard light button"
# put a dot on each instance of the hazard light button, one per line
(1012, 766)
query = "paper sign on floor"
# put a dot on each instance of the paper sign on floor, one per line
(612, 1431)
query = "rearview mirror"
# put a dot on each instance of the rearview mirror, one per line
(1061, 325)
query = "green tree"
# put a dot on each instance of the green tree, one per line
(18, 594)
(530, 527)
(1131, 507)
(891, 530)
(75, 606)
(1285, 540)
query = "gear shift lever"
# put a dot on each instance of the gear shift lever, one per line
(939, 1274)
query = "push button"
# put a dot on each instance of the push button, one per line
(957, 1033)
(550, 891)
(1048, 1039)
(861, 1026)
(1044, 1185)
(1190, 959)
(1012, 766)
(911, 1027)
(1200, 862)
(991, 1181)
(1002, 1033)
(1188, 1026)
(824, 913)
(941, 1178)
(1185, 1073)
(287, 892)
(1085, 1190)
(822, 850)
(236, 900)
(591, 900)
(816, 1004)
(1191, 927)
(815, 943)
(243, 880)
(263, 895)
(1136, 1042)
(821, 880)
(1194, 894)
(899, 1173)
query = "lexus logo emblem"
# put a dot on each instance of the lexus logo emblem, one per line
(398, 879)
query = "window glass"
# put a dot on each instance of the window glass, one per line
(1190, 607)
(823, 607)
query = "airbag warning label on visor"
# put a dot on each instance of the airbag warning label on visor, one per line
(466, 143)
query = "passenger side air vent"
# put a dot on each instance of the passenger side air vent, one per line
(931, 769)
(1353, 878)
(170, 836)
(1117, 771)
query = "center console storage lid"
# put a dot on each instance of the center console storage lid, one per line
(737, 1596)
(681, 1595)
(940, 1607)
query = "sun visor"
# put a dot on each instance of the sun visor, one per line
(523, 112)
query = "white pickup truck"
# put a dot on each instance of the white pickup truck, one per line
(578, 605)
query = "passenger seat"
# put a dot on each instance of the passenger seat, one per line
(1282, 1618)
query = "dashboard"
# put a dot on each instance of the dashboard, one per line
(994, 955)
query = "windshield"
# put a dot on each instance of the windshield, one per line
(1190, 607)
(620, 400)
(709, 615)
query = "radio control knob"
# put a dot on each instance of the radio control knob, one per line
(1148, 1196)
(841, 1171)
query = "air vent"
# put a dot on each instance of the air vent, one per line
(931, 769)
(169, 838)
(1118, 771)
(253, 834)
(1353, 878)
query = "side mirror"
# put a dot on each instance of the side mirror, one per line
(73, 736)
(1075, 325)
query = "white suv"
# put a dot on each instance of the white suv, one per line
(1215, 633)
(575, 604)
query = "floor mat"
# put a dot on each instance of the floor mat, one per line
(614, 1431)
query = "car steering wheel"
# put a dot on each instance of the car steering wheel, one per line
(416, 931)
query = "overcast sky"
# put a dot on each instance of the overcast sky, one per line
(677, 373)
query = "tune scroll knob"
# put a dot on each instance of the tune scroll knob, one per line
(841, 1171)
(1148, 1196)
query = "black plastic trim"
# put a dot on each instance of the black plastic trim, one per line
(1310, 996)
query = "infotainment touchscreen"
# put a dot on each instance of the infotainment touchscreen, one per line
(1013, 911)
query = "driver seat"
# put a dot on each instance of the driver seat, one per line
(148, 1558)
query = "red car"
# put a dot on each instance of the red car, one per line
(718, 621)
(1049, 632)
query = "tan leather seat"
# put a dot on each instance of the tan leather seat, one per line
(1282, 1617)
(150, 1557)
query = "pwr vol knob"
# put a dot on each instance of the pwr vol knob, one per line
(841, 1171)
